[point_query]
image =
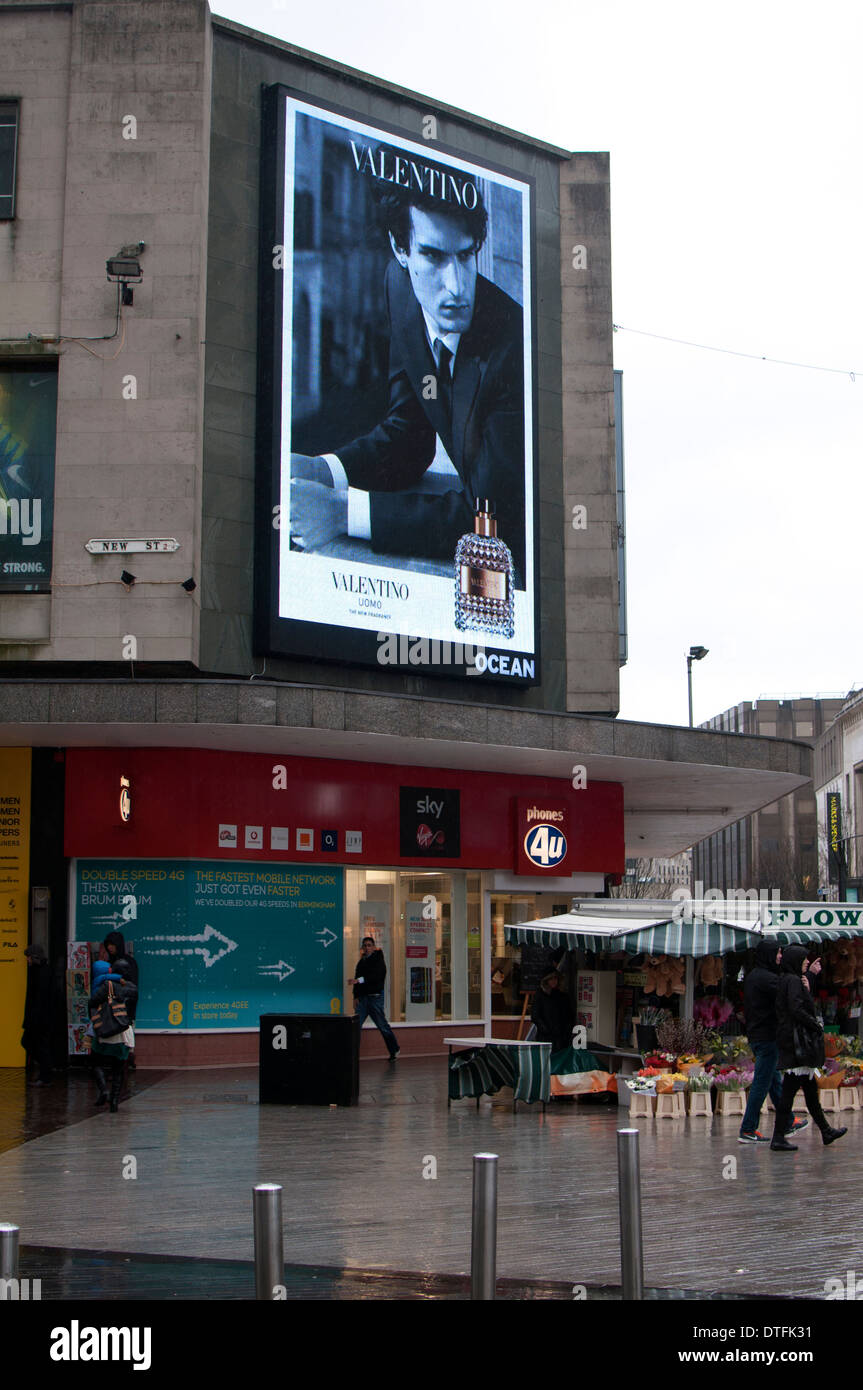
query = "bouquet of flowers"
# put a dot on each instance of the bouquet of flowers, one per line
(832, 1074)
(643, 1085)
(712, 1011)
(732, 1079)
(652, 1017)
(853, 1071)
(681, 1035)
(660, 1060)
(700, 1082)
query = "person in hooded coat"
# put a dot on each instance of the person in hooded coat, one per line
(110, 1054)
(551, 1013)
(800, 1038)
(120, 960)
(759, 1008)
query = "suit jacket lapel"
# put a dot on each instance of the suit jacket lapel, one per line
(415, 354)
(466, 383)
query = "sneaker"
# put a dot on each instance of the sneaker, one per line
(754, 1137)
(796, 1126)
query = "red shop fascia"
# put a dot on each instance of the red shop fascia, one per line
(160, 803)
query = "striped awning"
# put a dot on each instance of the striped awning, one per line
(696, 938)
(701, 935)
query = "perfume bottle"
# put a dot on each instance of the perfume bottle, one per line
(484, 599)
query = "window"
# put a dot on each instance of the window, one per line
(8, 150)
(429, 927)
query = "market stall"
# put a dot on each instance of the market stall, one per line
(662, 982)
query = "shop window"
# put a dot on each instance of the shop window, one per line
(8, 157)
(428, 925)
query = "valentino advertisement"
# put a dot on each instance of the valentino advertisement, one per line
(396, 430)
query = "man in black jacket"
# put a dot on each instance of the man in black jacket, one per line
(368, 983)
(551, 1013)
(759, 1007)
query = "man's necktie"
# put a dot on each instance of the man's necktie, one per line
(444, 376)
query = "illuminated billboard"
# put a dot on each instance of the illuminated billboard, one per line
(28, 425)
(396, 453)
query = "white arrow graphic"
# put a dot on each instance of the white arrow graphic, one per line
(283, 970)
(327, 937)
(207, 934)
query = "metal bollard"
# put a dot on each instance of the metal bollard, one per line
(629, 1193)
(483, 1236)
(269, 1249)
(8, 1250)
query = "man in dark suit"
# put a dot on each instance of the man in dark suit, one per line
(456, 373)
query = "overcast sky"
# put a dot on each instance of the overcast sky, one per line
(736, 196)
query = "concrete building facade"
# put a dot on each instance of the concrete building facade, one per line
(839, 769)
(152, 754)
(777, 847)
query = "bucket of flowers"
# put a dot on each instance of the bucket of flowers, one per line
(689, 1064)
(729, 1084)
(699, 1080)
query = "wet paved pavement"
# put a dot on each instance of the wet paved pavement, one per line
(357, 1207)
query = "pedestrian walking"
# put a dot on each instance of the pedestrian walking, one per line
(36, 1035)
(102, 973)
(120, 959)
(111, 1052)
(368, 983)
(759, 1009)
(801, 1049)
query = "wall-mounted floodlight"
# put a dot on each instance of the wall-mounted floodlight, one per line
(125, 269)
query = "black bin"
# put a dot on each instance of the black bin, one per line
(309, 1059)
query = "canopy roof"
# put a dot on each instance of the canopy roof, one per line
(688, 928)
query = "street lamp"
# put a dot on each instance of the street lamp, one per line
(695, 654)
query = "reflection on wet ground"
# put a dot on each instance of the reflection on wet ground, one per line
(28, 1111)
(94, 1275)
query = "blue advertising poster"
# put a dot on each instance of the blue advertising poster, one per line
(219, 944)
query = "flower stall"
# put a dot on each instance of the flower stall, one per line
(658, 969)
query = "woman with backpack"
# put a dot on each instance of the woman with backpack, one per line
(112, 1032)
(800, 1039)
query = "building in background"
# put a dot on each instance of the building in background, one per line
(249, 747)
(776, 848)
(839, 793)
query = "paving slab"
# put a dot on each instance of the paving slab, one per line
(717, 1214)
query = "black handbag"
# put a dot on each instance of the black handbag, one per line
(806, 1044)
(109, 1016)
